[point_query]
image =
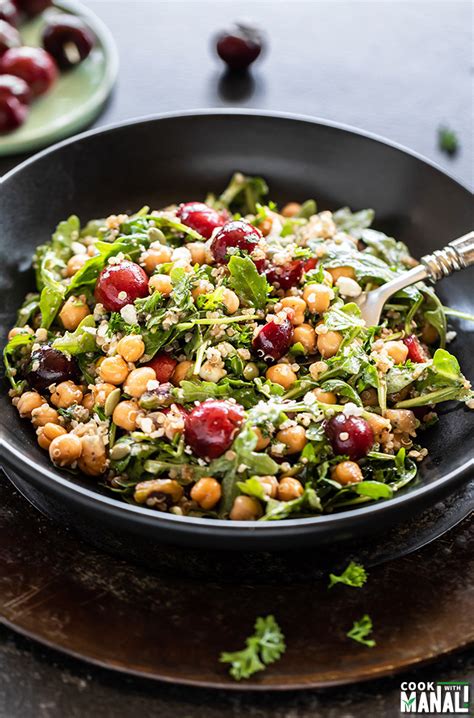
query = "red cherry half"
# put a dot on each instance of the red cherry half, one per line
(120, 284)
(211, 427)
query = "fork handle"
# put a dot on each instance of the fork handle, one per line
(458, 254)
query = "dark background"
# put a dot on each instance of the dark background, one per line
(399, 69)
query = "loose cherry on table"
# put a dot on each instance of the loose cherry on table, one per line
(237, 233)
(273, 340)
(120, 284)
(50, 366)
(9, 12)
(68, 40)
(9, 37)
(12, 86)
(210, 427)
(33, 64)
(13, 113)
(202, 218)
(239, 46)
(351, 435)
(34, 7)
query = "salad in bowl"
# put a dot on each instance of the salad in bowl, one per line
(208, 358)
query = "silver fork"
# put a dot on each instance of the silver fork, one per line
(457, 255)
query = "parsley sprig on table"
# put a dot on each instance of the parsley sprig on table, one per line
(354, 575)
(265, 646)
(360, 630)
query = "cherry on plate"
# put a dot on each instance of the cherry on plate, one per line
(286, 276)
(12, 86)
(351, 435)
(33, 64)
(415, 350)
(68, 40)
(120, 284)
(237, 233)
(34, 7)
(9, 37)
(273, 340)
(50, 366)
(201, 217)
(210, 427)
(13, 113)
(239, 46)
(163, 365)
(9, 12)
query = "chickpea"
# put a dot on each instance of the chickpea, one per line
(270, 485)
(327, 397)
(266, 226)
(88, 401)
(306, 336)
(397, 351)
(245, 508)
(66, 394)
(27, 402)
(202, 287)
(154, 256)
(294, 438)
(281, 374)
(93, 459)
(206, 492)
(291, 209)
(211, 372)
(19, 330)
(131, 348)
(182, 371)
(317, 297)
(65, 449)
(341, 272)
(369, 397)
(75, 264)
(161, 283)
(44, 414)
(402, 420)
(230, 300)
(329, 343)
(298, 307)
(250, 371)
(169, 487)
(347, 472)
(199, 252)
(429, 334)
(47, 433)
(74, 310)
(137, 381)
(113, 370)
(289, 489)
(125, 415)
(262, 441)
(101, 392)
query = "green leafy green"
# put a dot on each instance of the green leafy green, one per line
(353, 575)
(447, 140)
(386, 248)
(265, 646)
(250, 286)
(80, 341)
(360, 630)
(353, 222)
(18, 342)
(308, 501)
(339, 317)
(243, 194)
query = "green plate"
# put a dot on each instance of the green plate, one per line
(78, 95)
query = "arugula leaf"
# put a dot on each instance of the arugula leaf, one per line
(27, 310)
(387, 248)
(277, 510)
(80, 341)
(343, 389)
(242, 391)
(365, 265)
(353, 575)
(243, 193)
(18, 341)
(252, 487)
(66, 233)
(250, 286)
(307, 210)
(343, 317)
(353, 222)
(360, 630)
(398, 377)
(434, 313)
(444, 382)
(53, 291)
(265, 646)
(373, 489)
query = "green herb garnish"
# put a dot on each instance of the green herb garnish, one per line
(264, 647)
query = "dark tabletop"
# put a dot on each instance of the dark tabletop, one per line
(397, 69)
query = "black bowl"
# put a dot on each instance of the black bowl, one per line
(182, 156)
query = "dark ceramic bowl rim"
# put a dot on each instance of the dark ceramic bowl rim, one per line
(30, 468)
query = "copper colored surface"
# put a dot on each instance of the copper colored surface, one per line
(65, 594)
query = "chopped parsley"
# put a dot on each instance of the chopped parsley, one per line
(360, 630)
(354, 575)
(265, 646)
(447, 141)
